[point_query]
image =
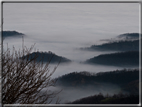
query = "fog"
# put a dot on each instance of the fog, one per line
(77, 56)
(68, 94)
(63, 28)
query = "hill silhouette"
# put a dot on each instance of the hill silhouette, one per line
(130, 58)
(125, 78)
(47, 57)
(125, 42)
(6, 34)
(116, 46)
(129, 36)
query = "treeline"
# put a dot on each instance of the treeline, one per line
(11, 34)
(130, 58)
(46, 57)
(116, 46)
(129, 36)
(107, 99)
(130, 42)
(124, 78)
(127, 52)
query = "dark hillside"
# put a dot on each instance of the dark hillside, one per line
(11, 34)
(129, 36)
(47, 57)
(116, 46)
(115, 99)
(130, 58)
(122, 78)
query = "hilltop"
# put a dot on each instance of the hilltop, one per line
(116, 46)
(125, 42)
(47, 57)
(129, 36)
(6, 34)
(130, 58)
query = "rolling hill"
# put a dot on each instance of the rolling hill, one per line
(6, 34)
(127, 79)
(125, 42)
(130, 58)
(47, 57)
(116, 46)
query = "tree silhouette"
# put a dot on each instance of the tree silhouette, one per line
(26, 81)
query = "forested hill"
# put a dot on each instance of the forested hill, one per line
(129, 36)
(11, 34)
(123, 42)
(126, 79)
(47, 57)
(118, 77)
(130, 58)
(116, 46)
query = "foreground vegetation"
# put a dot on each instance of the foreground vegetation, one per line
(26, 81)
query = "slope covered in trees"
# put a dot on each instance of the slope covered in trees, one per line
(123, 78)
(116, 46)
(47, 57)
(125, 42)
(11, 34)
(130, 58)
(129, 36)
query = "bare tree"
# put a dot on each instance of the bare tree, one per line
(24, 80)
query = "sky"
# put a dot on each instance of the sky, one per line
(73, 18)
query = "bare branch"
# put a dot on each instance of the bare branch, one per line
(23, 78)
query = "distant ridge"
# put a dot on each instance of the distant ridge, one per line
(127, 42)
(46, 57)
(130, 58)
(129, 36)
(116, 46)
(11, 34)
